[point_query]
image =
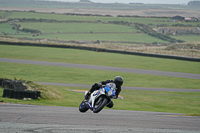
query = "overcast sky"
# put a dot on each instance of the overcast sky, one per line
(135, 1)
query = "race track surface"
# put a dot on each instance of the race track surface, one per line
(16, 118)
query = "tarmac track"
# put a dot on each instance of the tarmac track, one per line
(16, 118)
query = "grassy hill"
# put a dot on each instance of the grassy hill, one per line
(127, 32)
(134, 33)
(177, 102)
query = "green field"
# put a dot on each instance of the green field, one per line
(98, 58)
(89, 28)
(175, 102)
(138, 38)
(30, 15)
(77, 27)
(2, 13)
(84, 76)
(188, 38)
(7, 28)
(152, 21)
(81, 31)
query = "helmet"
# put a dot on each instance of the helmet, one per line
(118, 80)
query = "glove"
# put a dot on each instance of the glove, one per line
(87, 95)
(97, 85)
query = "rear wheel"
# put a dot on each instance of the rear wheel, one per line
(83, 107)
(98, 107)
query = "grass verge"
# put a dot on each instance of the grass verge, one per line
(98, 58)
(173, 102)
(86, 76)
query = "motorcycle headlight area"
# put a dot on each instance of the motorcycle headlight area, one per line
(109, 93)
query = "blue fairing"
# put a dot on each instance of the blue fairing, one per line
(107, 88)
(89, 105)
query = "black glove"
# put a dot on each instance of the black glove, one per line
(87, 95)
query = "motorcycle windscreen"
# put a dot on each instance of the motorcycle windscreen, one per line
(110, 90)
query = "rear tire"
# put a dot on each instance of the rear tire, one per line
(83, 107)
(101, 105)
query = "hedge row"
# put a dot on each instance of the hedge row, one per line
(151, 32)
(136, 16)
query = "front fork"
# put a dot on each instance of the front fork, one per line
(99, 100)
(93, 103)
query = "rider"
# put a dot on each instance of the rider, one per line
(118, 82)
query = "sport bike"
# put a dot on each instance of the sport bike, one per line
(98, 99)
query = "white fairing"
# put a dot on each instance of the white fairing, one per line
(95, 95)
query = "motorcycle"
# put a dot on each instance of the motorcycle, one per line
(98, 99)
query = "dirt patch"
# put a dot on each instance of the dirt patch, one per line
(140, 12)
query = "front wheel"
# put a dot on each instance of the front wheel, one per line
(98, 107)
(83, 107)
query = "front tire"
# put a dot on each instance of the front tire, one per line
(101, 105)
(83, 107)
